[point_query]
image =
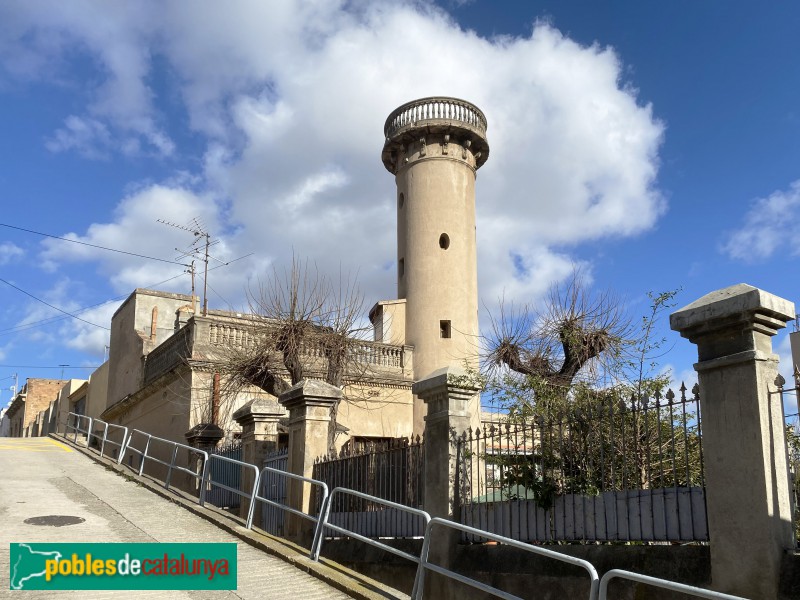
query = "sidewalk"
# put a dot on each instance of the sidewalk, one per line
(43, 477)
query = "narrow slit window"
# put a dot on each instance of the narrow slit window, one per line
(444, 329)
(444, 241)
(401, 199)
(401, 267)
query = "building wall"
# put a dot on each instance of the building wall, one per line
(97, 395)
(62, 402)
(141, 323)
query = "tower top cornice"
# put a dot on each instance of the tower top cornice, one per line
(433, 115)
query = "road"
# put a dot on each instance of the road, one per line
(41, 477)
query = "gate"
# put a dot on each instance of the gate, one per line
(225, 473)
(273, 487)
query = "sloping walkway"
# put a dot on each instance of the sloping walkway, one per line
(41, 476)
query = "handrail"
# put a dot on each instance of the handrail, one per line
(77, 427)
(323, 523)
(425, 564)
(289, 509)
(661, 583)
(105, 439)
(206, 480)
(172, 464)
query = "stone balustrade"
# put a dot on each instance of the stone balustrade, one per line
(227, 334)
(432, 109)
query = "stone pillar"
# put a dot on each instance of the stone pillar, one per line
(448, 397)
(259, 421)
(746, 471)
(309, 404)
(203, 436)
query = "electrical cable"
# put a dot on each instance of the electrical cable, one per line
(63, 239)
(53, 307)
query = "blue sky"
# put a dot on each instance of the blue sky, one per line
(655, 144)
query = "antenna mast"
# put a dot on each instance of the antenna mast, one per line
(196, 228)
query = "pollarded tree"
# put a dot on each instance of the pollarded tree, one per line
(576, 333)
(303, 324)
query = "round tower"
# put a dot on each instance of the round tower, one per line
(434, 147)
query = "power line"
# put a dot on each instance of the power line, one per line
(44, 367)
(63, 239)
(49, 320)
(53, 307)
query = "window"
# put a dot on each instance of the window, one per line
(444, 241)
(401, 200)
(444, 329)
(401, 267)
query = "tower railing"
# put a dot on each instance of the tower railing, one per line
(441, 108)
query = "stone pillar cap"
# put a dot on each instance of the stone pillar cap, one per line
(312, 390)
(453, 377)
(205, 433)
(259, 407)
(726, 304)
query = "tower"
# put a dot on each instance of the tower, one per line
(434, 147)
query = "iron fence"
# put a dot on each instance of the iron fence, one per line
(792, 430)
(391, 470)
(225, 476)
(273, 491)
(595, 469)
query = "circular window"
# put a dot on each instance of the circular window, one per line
(444, 241)
(400, 201)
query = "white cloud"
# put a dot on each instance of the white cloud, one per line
(768, 227)
(136, 231)
(290, 99)
(9, 252)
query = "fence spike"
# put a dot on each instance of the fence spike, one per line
(696, 391)
(683, 392)
(780, 381)
(796, 375)
(670, 396)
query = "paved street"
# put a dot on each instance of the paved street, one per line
(41, 477)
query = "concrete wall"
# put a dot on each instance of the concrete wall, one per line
(388, 319)
(97, 395)
(518, 572)
(135, 330)
(62, 407)
(375, 411)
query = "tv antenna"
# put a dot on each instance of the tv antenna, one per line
(202, 242)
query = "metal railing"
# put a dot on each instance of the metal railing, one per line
(207, 481)
(689, 590)
(77, 427)
(323, 523)
(425, 564)
(286, 507)
(172, 464)
(598, 589)
(106, 440)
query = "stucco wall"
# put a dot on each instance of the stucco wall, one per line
(131, 339)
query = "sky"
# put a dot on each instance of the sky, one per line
(655, 145)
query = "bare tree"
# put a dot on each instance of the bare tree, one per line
(303, 324)
(576, 332)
